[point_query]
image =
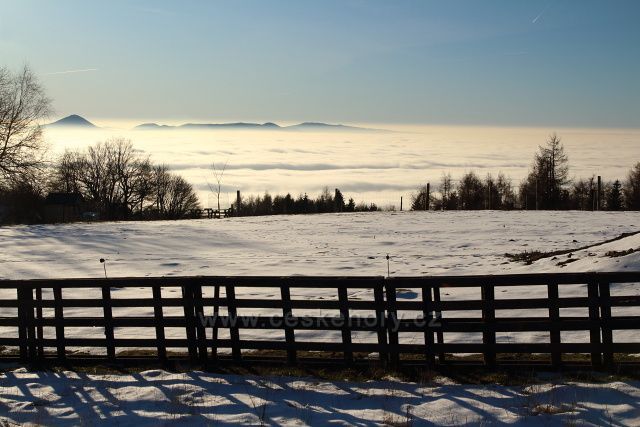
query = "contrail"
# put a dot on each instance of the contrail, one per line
(540, 14)
(72, 71)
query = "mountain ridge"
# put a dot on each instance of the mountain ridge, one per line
(305, 126)
(75, 120)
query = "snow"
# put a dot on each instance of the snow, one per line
(334, 244)
(419, 243)
(156, 397)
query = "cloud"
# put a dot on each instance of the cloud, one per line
(84, 70)
(318, 167)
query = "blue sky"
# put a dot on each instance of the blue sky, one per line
(511, 62)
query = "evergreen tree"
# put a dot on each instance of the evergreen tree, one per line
(338, 199)
(471, 192)
(544, 186)
(614, 197)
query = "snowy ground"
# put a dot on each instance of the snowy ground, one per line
(196, 398)
(334, 244)
(345, 244)
(419, 243)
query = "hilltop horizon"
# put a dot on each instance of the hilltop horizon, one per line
(76, 120)
(383, 126)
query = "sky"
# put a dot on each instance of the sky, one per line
(505, 63)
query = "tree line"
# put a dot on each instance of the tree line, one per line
(115, 182)
(326, 202)
(119, 183)
(547, 186)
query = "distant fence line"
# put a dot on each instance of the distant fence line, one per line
(381, 311)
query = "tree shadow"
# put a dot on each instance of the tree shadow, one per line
(158, 397)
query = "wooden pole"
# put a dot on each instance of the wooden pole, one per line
(598, 204)
(400, 203)
(238, 201)
(426, 202)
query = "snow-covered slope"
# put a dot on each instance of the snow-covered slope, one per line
(419, 243)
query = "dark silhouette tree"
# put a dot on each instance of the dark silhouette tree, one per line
(544, 187)
(338, 200)
(632, 189)
(471, 192)
(23, 107)
(447, 192)
(614, 196)
(420, 199)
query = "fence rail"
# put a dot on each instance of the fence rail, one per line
(404, 319)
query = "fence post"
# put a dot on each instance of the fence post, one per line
(489, 317)
(159, 321)
(189, 319)
(607, 333)
(554, 329)
(23, 307)
(594, 318)
(39, 328)
(198, 320)
(438, 316)
(427, 315)
(234, 333)
(392, 322)
(108, 322)
(346, 325)
(59, 319)
(378, 293)
(31, 327)
(287, 316)
(216, 313)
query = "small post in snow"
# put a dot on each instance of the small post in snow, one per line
(104, 265)
(388, 270)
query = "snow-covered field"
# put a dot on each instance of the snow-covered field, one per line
(156, 397)
(419, 243)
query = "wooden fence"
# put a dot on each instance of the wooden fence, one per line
(406, 319)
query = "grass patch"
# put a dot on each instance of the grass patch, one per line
(615, 254)
(529, 257)
(566, 261)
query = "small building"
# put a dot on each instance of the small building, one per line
(63, 207)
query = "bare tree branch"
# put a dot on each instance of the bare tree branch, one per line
(23, 107)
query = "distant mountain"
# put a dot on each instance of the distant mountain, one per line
(306, 126)
(240, 125)
(152, 126)
(73, 120)
(317, 126)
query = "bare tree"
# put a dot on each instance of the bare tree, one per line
(66, 175)
(23, 107)
(218, 174)
(181, 198)
(161, 182)
(446, 187)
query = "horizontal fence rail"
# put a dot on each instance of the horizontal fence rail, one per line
(565, 318)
